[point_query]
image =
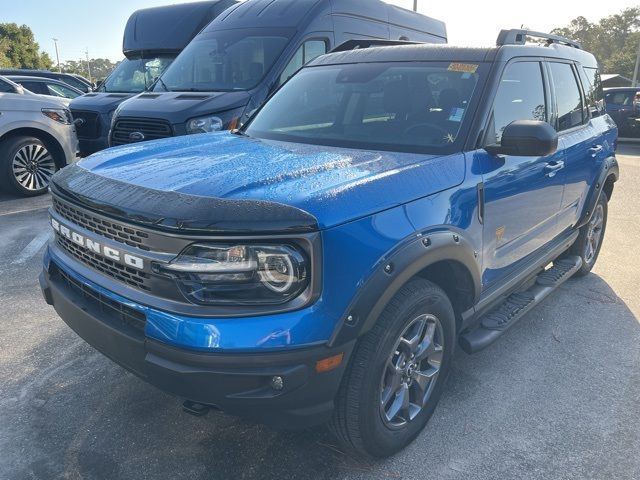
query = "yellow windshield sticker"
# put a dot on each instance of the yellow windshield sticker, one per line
(463, 67)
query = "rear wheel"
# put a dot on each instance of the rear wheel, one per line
(587, 245)
(397, 372)
(26, 166)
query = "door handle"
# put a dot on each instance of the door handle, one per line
(595, 150)
(551, 169)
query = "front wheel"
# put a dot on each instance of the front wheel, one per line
(397, 372)
(26, 166)
(587, 245)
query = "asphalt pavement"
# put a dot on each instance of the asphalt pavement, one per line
(556, 398)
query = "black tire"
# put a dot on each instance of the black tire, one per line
(580, 246)
(26, 166)
(358, 418)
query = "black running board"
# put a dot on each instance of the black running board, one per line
(495, 323)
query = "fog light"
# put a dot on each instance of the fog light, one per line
(277, 383)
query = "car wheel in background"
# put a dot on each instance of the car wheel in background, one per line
(26, 166)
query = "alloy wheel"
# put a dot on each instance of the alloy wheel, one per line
(594, 234)
(411, 371)
(33, 166)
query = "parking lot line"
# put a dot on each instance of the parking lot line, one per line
(32, 248)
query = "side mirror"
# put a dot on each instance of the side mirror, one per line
(527, 138)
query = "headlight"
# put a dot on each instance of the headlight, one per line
(204, 125)
(242, 274)
(60, 115)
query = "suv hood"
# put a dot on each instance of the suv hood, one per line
(178, 107)
(223, 182)
(100, 102)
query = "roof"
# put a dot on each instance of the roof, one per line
(439, 52)
(171, 27)
(282, 13)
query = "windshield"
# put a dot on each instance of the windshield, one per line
(413, 107)
(225, 60)
(136, 75)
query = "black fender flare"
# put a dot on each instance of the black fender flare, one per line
(609, 168)
(395, 269)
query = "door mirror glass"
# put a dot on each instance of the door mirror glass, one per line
(527, 138)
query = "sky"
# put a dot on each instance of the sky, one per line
(80, 25)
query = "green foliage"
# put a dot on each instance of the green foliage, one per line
(613, 40)
(19, 49)
(100, 67)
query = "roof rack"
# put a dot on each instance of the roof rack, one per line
(368, 43)
(519, 37)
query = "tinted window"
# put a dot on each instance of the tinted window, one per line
(568, 97)
(412, 107)
(225, 60)
(307, 52)
(6, 87)
(520, 96)
(593, 89)
(619, 98)
(35, 87)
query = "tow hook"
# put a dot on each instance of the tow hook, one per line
(196, 409)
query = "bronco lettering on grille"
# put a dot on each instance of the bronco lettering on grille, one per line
(96, 247)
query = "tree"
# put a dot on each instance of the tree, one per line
(100, 67)
(613, 40)
(19, 49)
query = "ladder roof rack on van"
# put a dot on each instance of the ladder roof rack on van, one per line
(519, 37)
(368, 43)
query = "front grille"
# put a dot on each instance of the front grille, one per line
(111, 308)
(122, 273)
(90, 125)
(106, 228)
(152, 129)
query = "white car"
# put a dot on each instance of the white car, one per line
(37, 137)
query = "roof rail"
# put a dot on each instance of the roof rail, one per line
(519, 37)
(368, 43)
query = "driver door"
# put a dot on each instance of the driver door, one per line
(522, 194)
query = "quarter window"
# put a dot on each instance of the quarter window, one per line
(568, 98)
(520, 96)
(307, 52)
(593, 89)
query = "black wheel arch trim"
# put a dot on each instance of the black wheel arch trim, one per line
(610, 168)
(396, 268)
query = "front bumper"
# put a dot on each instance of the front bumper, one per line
(238, 384)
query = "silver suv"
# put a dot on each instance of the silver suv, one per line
(37, 137)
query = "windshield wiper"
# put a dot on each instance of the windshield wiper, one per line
(240, 132)
(164, 85)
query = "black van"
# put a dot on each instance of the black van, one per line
(153, 38)
(230, 68)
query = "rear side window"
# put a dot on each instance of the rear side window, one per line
(571, 112)
(593, 90)
(307, 52)
(35, 87)
(6, 87)
(520, 96)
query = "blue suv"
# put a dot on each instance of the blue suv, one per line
(322, 263)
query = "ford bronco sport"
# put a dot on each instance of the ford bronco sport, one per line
(321, 263)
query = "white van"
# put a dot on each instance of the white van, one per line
(37, 137)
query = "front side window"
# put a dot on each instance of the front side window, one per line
(620, 98)
(135, 75)
(61, 91)
(406, 107)
(6, 87)
(225, 60)
(568, 98)
(520, 96)
(307, 52)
